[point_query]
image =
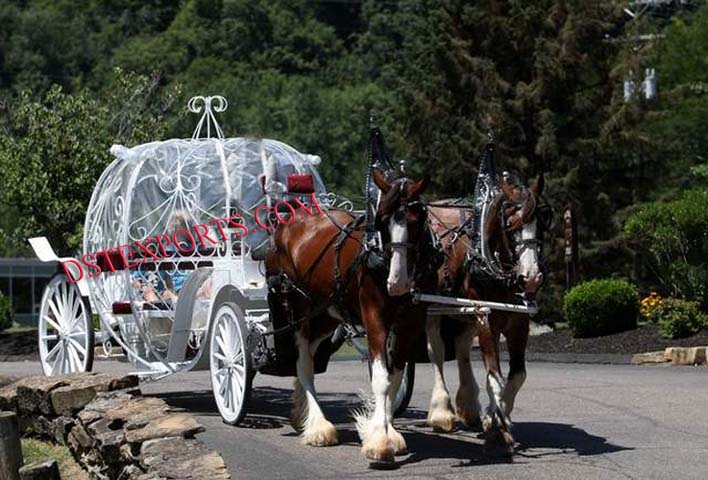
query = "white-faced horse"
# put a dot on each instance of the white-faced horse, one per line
(332, 280)
(513, 231)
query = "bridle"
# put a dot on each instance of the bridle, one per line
(512, 237)
(400, 213)
(502, 265)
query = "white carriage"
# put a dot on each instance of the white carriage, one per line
(196, 305)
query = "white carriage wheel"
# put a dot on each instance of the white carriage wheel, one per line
(405, 391)
(66, 336)
(230, 362)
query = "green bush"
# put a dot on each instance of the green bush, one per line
(680, 318)
(674, 233)
(5, 312)
(601, 307)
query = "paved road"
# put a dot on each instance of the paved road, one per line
(571, 421)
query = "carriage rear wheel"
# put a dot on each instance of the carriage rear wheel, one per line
(230, 362)
(66, 336)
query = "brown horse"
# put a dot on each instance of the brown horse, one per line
(329, 266)
(513, 232)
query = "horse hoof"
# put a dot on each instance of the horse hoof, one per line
(442, 421)
(469, 419)
(398, 442)
(380, 452)
(499, 443)
(487, 423)
(323, 434)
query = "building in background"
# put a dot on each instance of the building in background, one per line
(23, 280)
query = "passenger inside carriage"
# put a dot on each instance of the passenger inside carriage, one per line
(160, 286)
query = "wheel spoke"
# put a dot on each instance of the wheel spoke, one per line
(219, 357)
(238, 359)
(237, 390)
(63, 304)
(74, 307)
(52, 323)
(227, 393)
(222, 385)
(53, 351)
(222, 345)
(59, 363)
(78, 357)
(49, 337)
(78, 347)
(70, 358)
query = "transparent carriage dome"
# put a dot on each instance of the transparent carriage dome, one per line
(162, 187)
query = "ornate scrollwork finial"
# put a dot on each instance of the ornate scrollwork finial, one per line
(207, 106)
(373, 119)
(490, 136)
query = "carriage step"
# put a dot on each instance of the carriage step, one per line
(100, 354)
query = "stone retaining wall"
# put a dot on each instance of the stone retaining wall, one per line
(113, 431)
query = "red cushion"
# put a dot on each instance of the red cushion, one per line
(122, 308)
(298, 183)
(115, 260)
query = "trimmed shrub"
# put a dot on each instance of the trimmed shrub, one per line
(674, 234)
(680, 318)
(5, 312)
(601, 307)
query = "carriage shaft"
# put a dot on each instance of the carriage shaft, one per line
(530, 309)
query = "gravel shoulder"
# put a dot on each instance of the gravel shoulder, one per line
(645, 338)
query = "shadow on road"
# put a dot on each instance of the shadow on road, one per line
(535, 440)
(269, 407)
(560, 439)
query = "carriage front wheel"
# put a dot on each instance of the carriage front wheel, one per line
(66, 336)
(230, 362)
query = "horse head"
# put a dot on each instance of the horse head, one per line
(401, 220)
(515, 229)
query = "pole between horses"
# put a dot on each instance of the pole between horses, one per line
(474, 305)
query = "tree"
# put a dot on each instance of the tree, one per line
(53, 150)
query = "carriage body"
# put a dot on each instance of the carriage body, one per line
(156, 193)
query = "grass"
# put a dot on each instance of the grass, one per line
(347, 349)
(39, 451)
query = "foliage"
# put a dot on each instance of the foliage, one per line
(676, 235)
(545, 76)
(5, 312)
(55, 148)
(682, 68)
(651, 306)
(680, 318)
(34, 450)
(601, 307)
